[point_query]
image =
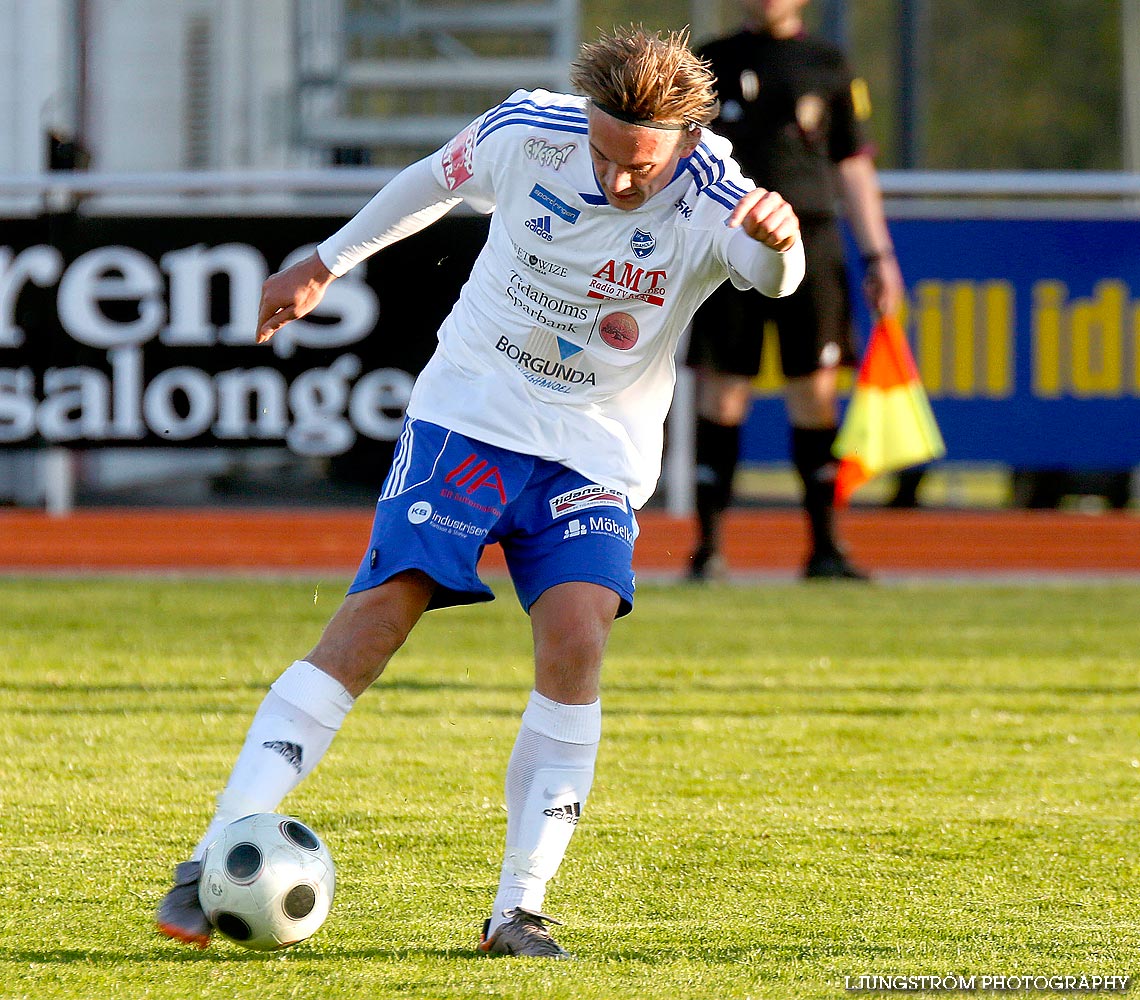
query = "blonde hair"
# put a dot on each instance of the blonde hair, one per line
(642, 78)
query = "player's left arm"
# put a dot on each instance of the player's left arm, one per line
(767, 218)
(765, 248)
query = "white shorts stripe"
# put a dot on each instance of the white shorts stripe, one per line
(396, 483)
(400, 462)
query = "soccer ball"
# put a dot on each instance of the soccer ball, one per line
(267, 882)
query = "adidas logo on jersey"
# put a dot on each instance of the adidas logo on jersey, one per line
(570, 813)
(540, 226)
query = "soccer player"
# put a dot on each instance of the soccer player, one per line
(792, 110)
(537, 423)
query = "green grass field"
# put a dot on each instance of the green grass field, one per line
(796, 784)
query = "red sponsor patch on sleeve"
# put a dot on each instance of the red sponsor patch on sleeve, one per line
(458, 158)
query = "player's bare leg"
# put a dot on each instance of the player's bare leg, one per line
(369, 627)
(552, 764)
(296, 722)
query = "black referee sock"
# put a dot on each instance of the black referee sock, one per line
(718, 448)
(812, 457)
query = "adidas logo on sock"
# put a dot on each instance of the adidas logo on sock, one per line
(540, 226)
(571, 813)
(290, 751)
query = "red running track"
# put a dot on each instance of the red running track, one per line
(765, 542)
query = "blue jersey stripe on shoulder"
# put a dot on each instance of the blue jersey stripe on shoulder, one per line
(528, 102)
(696, 170)
(571, 116)
(710, 173)
(699, 167)
(529, 111)
(725, 192)
(700, 173)
(553, 126)
(731, 188)
(712, 165)
(720, 199)
(718, 192)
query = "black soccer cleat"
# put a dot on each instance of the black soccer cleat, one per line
(523, 933)
(180, 915)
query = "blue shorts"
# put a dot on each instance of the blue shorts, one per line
(448, 496)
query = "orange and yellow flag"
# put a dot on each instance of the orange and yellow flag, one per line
(888, 424)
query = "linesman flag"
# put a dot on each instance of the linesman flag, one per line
(888, 424)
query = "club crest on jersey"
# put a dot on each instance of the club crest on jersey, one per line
(546, 154)
(540, 226)
(642, 243)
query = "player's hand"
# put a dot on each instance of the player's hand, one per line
(291, 294)
(767, 218)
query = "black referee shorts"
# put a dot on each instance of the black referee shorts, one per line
(813, 323)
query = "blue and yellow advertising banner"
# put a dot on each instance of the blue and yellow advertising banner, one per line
(1026, 333)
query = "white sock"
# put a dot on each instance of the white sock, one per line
(548, 778)
(288, 736)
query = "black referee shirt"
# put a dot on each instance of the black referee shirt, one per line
(787, 107)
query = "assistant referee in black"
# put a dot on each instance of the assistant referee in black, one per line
(794, 112)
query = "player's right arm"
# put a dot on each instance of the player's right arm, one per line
(411, 201)
(291, 294)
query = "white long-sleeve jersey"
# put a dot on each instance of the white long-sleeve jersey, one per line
(562, 342)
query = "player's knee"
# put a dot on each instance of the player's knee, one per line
(356, 657)
(581, 649)
(568, 663)
(364, 634)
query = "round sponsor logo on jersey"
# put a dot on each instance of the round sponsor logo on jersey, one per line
(619, 330)
(419, 512)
